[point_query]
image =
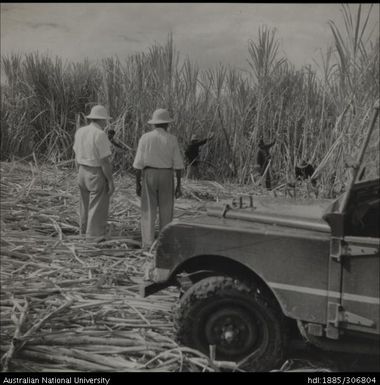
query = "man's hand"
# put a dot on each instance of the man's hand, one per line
(105, 164)
(111, 134)
(111, 188)
(178, 192)
(138, 182)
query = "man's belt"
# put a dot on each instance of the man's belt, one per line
(157, 168)
(87, 166)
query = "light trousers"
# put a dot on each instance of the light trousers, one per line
(157, 193)
(93, 202)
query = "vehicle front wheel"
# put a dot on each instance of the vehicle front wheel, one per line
(244, 324)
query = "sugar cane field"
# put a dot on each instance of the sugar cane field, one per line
(68, 304)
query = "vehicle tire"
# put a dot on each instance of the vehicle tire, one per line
(245, 324)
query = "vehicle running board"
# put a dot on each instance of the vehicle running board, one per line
(324, 343)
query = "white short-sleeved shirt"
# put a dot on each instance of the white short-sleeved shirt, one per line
(158, 149)
(90, 145)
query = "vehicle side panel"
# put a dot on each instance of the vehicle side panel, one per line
(294, 263)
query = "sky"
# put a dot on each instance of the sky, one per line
(208, 33)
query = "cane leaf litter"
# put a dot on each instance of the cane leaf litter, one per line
(67, 304)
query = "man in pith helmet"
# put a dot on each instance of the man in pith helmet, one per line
(157, 158)
(92, 154)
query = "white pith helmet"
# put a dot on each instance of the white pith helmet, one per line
(98, 112)
(160, 116)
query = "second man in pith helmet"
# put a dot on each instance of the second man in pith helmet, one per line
(158, 160)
